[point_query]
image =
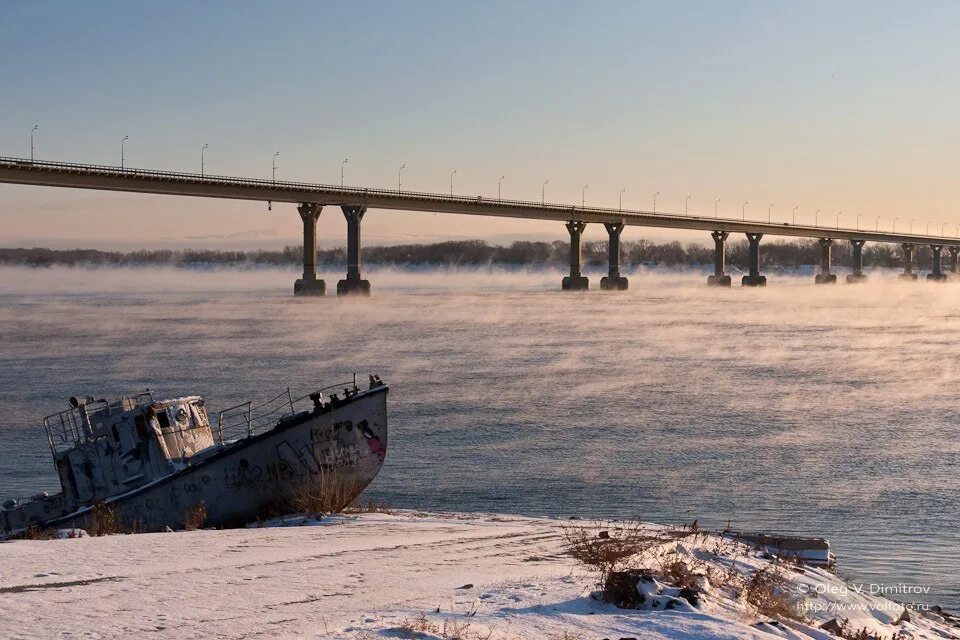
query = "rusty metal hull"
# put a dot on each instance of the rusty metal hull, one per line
(337, 453)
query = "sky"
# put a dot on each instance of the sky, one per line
(844, 107)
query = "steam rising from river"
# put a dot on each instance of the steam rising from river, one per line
(827, 410)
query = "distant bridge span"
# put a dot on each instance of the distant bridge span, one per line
(354, 202)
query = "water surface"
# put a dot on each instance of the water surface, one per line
(829, 411)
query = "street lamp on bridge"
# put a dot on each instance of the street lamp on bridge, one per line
(342, 165)
(583, 195)
(716, 209)
(32, 131)
(500, 187)
(893, 227)
(400, 177)
(839, 213)
(793, 219)
(769, 214)
(621, 199)
(123, 150)
(274, 166)
(543, 191)
(203, 159)
(816, 216)
(686, 204)
(452, 173)
(911, 224)
(878, 224)
(743, 210)
(655, 201)
(858, 220)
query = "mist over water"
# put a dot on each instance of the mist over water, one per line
(827, 410)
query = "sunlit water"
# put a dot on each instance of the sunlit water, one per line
(829, 410)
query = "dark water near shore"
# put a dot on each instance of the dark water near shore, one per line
(813, 410)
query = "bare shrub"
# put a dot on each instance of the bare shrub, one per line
(612, 552)
(765, 591)
(325, 492)
(195, 517)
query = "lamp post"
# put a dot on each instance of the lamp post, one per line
(655, 201)
(743, 210)
(893, 227)
(769, 214)
(342, 165)
(452, 173)
(543, 191)
(274, 166)
(716, 209)
(500, 187)
(942, 225)
(400, 177)
(793, 220)
(911, 224)
(203, 160)
(32, 131)
(621, 199)
(878, 224)
(686, 204)
(839, 213)
(583, 195)
(123, 150)
(858, 220)
(816, 216)
(928, 227)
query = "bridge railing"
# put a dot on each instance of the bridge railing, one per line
(307, 187)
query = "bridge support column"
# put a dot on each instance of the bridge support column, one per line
(719, 278)
(825, 277)
(575, 281)
(936, 272)
(952, 265)
(857, 275)
(754, 279)
(614, 281)
(353, 284)
(908, 273)
(309, 284)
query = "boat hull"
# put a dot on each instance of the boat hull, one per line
(317, 459)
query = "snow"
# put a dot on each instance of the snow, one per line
(399, 575)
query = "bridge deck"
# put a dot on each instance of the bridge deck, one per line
(83, 176)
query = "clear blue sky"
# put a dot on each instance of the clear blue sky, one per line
(847, 106)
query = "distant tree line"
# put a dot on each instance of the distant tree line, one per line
(474, 253)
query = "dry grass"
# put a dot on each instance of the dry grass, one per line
(37, 533)
(320, 494)
(448, 630)
(195, 517)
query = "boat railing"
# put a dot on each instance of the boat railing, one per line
(248, 419)
(68, 428)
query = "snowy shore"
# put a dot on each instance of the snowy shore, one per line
(400, 575)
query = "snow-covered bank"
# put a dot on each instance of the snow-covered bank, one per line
(387, 575)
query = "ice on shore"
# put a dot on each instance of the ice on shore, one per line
(397, 575)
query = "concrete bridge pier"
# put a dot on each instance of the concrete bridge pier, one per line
(952, 265)
(857, 275)
(908, 273)
(825, 277)
(575, 281)
(936, 272)
(719, 278)
(353, 284)
(309, 284)
(754, 279)
(614, 281)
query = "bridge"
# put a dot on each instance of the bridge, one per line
(354, 201)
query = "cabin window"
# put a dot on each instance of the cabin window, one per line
(163, 419)
(141, 424)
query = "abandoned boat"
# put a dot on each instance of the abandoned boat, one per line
(152, 462)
